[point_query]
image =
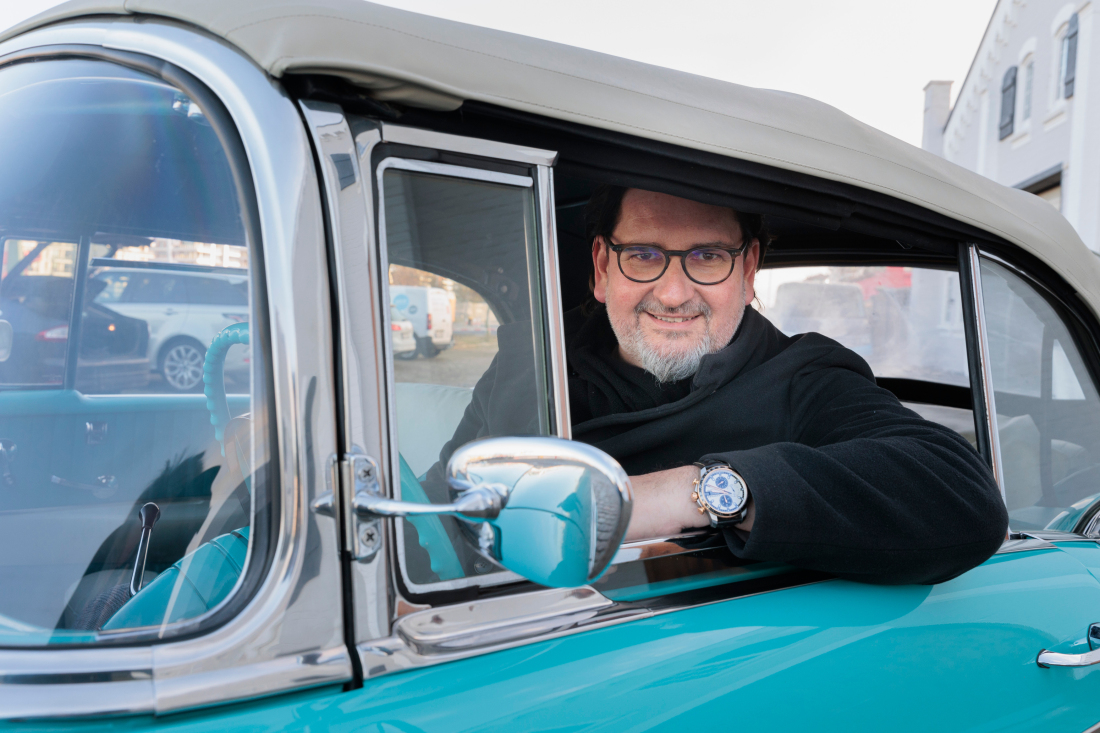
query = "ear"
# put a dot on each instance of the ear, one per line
(599, 266)
(749, 262)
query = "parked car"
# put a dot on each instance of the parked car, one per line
(233, 561)
(111, 353)
(429, 310)
(402, 335)
(185, 307)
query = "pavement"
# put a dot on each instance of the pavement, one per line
(459, 366)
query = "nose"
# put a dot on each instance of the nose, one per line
(674, 288)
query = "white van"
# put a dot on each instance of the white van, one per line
(429, 310)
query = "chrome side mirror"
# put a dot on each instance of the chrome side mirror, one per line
(6, 338)
(566, 506)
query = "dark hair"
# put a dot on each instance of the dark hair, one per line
(601, 215)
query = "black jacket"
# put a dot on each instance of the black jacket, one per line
(845, 479)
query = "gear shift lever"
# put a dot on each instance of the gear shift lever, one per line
(149, 515)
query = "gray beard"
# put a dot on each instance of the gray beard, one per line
(668, 364)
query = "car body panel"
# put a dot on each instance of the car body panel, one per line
(960, 656)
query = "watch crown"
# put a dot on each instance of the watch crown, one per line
(695, 496)
(702, 510)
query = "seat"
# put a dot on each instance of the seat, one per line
(427, 416)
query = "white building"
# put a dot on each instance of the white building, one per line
(1028, 112)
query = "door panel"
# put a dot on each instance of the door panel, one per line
(959, 656)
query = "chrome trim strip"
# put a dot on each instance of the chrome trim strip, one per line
(499, 620)
(297, 608)
(515, 620)
(657, 547)
(468, 145)
(1025, 544)
(987, 367)
(445, 169)
(555, 316)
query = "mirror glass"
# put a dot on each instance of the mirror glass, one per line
(566, 512)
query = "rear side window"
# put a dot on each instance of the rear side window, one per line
(906, 322)
(127, 496)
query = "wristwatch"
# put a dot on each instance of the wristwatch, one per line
(720, 492)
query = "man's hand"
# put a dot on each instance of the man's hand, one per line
(663, 505)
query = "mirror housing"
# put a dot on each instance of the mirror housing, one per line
(566, 506)
(7, 335)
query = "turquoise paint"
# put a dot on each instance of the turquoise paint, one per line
(834, 656)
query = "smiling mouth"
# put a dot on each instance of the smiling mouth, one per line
(673, 319)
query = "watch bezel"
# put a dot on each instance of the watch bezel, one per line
(702, 500)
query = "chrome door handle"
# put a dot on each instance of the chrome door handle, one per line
(1054, 659)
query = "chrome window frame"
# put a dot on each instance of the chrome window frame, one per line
(457, 172)
(284, 638)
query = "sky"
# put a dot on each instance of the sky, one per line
(869, 58)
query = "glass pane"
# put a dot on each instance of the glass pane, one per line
(905, 321)
(463, 284)
(126, 496)
(1048, 412)
(36, 292)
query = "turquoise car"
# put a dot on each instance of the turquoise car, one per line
(270, 555)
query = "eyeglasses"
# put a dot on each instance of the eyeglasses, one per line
(645, 263)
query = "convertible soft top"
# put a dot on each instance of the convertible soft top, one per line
(429, 62)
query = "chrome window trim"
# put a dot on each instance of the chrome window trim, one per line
(290, 635)
(555, 324)
(469, 145)
(986, 368)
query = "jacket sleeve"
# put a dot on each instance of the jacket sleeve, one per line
(868, 490)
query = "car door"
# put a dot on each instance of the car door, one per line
(156, 550)
(668, 638)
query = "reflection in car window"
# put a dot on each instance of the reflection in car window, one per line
(126, 495)
(1048, 410)
(906, 322)
(461, 256)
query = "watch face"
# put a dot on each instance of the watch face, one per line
(723, 492)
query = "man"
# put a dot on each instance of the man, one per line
(784, 444)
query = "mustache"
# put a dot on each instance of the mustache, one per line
(691, 308)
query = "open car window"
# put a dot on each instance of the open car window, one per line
(127, 495)
(906, 322)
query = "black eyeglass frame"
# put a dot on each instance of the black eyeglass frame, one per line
(669, 254)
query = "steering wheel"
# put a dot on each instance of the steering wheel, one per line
(203, 578)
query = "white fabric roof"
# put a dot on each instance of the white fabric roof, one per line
(438, 63)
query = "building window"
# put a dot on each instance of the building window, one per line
(1068, 69)
(1008, 102)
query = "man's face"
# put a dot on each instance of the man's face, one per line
(668, 325)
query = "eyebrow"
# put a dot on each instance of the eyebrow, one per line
(715, 245)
